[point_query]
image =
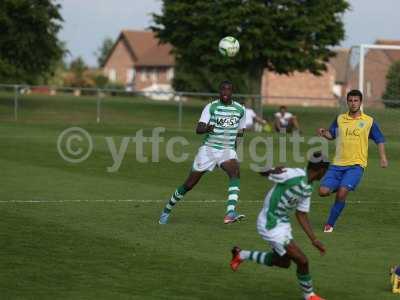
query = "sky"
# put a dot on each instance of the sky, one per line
(88, 22)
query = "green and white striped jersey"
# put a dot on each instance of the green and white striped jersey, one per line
(227, 119)
(291, 191)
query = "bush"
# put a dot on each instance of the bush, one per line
(100, 81)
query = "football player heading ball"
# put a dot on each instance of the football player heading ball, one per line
(222, 122)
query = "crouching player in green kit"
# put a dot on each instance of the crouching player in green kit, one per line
(292, 190)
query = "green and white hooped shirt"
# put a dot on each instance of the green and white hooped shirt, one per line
(290, 192)
(227, 119)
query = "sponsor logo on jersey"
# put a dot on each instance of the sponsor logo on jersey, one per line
(227, 121)
(352, 132)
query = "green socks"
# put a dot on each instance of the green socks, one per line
(305, 283)
(263, 258)
(176, 196)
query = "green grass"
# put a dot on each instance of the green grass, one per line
(115, 250)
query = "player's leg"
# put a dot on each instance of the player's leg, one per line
(277, 125)
(303, 273)
(349, 181)
(193, 178)
(204, 161)
(232, 169)
(270, 258)
(277, 238)
(295, 122)
(324, 191)
(329, 184)
(284, 251)
(289, 127)
(336, 208)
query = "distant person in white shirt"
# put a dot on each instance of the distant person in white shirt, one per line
(285, 121)
(252, 119)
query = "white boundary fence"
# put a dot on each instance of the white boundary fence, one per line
(179, 96)
(20, 89)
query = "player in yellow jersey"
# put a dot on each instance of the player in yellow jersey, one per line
(352, 130)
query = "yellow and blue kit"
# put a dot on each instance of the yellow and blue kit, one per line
(352, 135)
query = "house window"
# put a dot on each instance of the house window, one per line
(112, 75)
(369, 88)
(143, 74)
(170, 74)
(130, 75)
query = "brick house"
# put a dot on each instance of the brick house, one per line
(376, 65)
(340, 64)
(138, 61)
(306, 89)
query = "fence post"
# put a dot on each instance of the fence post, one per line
(98, 106)
(259, 108)
(180, 111)
(15, 102)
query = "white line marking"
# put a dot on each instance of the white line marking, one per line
(165, 201)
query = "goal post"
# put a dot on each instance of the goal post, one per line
(363, 48)
(367, 68)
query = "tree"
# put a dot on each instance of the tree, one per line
(100, 80)
(79, 75)
(55, 75)
(392, 91)
(78, 66)
(281, 35)
(29, 47)
(103, 51)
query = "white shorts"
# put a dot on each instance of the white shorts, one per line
(278, 237)
(207, 158)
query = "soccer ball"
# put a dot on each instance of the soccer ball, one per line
(229, 46)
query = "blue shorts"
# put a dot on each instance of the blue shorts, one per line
(342, 176)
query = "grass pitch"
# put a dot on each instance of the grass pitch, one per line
(77, 231)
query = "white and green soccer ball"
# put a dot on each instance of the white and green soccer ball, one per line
(229, 46)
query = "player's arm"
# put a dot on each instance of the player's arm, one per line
(329, 134)
(242, 125)
(276, 175)
(382, 155)
(302, 218)
(323, 132)
(277, 122)
(239, 138)
(204, 126)
(276, 170)
(260, 120)
(377, 135)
